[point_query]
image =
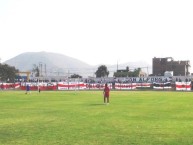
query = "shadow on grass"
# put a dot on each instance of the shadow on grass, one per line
(96, 104)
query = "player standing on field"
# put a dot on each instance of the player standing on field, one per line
(106, 94)
(27, 89)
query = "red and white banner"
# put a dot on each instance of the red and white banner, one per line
(95, 86)
(48, 86)
(16, 85)
(41, 85)
(71, 86)
(143, 85)
(5, 86)
(183, 86)
(125, 86)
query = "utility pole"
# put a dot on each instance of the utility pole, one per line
(45, 71)
(147, 71)
(117, 65)
(40, 67)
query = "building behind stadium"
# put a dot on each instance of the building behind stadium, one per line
(167, 64)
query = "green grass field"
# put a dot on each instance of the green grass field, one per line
(81, 118)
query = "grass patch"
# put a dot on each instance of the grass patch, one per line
(81, 118)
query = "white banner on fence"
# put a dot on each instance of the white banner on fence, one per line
(166, 85)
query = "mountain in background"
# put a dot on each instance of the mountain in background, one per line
(52, 64)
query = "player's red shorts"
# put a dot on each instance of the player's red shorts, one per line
(106, 94)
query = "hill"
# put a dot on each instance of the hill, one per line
(51, 63)
(58, 64)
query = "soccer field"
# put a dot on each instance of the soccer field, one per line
(81, 118)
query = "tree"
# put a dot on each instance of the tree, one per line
(36, 70)
(127, 73)
(75, 76)
(7, 73)
(102, 71)
(136, 72)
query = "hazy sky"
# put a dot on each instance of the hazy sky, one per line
(98, 31)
